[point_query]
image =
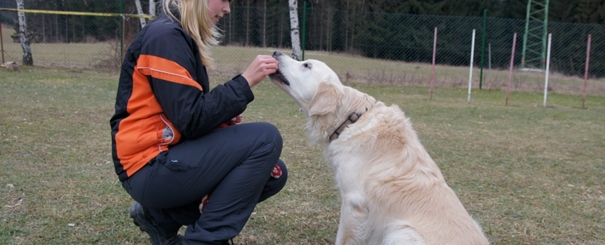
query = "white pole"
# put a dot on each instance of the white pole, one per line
(547, 68)
(433, 67)
(470, 78)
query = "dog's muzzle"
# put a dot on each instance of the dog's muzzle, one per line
(278, 76)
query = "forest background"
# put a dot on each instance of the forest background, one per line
(381, 29)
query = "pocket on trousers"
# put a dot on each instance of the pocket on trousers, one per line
(176, 165)
(173, 164)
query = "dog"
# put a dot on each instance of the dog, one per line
(391, 189)
(11, 65)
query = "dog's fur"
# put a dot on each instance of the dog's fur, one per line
(392, 191)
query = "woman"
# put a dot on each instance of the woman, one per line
(176, 142)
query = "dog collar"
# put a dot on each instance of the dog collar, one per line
(353, 117)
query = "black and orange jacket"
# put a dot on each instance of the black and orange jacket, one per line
(163, 97)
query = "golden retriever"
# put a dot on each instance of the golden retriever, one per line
(391, 189)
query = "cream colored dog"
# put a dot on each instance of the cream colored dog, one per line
(392, 191)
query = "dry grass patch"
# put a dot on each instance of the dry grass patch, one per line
(351, 68)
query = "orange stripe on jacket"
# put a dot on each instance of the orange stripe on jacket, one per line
(165, 69)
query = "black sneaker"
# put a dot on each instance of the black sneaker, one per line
(157, 234)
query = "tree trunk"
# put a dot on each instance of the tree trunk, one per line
(140, 12)
(27, 49)
(152, 8)
(294, 30)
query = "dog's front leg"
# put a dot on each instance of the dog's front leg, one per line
(353, 213)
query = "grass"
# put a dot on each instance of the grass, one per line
(528, 174)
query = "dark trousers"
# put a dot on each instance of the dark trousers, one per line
(232, 164)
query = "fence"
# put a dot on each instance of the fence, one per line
(401, 44)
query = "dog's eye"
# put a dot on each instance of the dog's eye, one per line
(308, 65)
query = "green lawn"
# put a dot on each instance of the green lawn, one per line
(528, 174)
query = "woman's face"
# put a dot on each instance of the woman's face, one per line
(217, 9)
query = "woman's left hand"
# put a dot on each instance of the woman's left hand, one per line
(235, 120)
(261, 67)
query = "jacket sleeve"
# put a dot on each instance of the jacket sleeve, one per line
(177, 86)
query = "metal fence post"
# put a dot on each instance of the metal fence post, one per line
(470, 76)
(1, 42)
(547, 68)
(483, 47)
(433, 66)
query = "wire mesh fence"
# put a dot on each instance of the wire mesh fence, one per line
(360, 46)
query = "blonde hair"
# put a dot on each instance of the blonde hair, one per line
(196, 22)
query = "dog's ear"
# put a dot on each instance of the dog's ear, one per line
(325, 100)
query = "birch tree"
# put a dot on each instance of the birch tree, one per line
(294, 30)
(25, 45)
(152, 8)
(140, 12)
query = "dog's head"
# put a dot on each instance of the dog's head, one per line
(324, 100)
(307, 82)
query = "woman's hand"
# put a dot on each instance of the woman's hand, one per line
(261, 67)
(235, 120)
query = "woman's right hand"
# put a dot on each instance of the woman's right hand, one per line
(261, 67)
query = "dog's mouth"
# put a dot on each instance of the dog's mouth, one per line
(278, 76)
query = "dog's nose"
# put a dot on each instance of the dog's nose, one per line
(277, 54)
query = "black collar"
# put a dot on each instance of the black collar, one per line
(353, 117)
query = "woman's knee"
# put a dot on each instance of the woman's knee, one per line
(270, 130)
(269, 135)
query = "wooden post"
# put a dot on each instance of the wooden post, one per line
(1, 42)
(512, 63)
(586, 70)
